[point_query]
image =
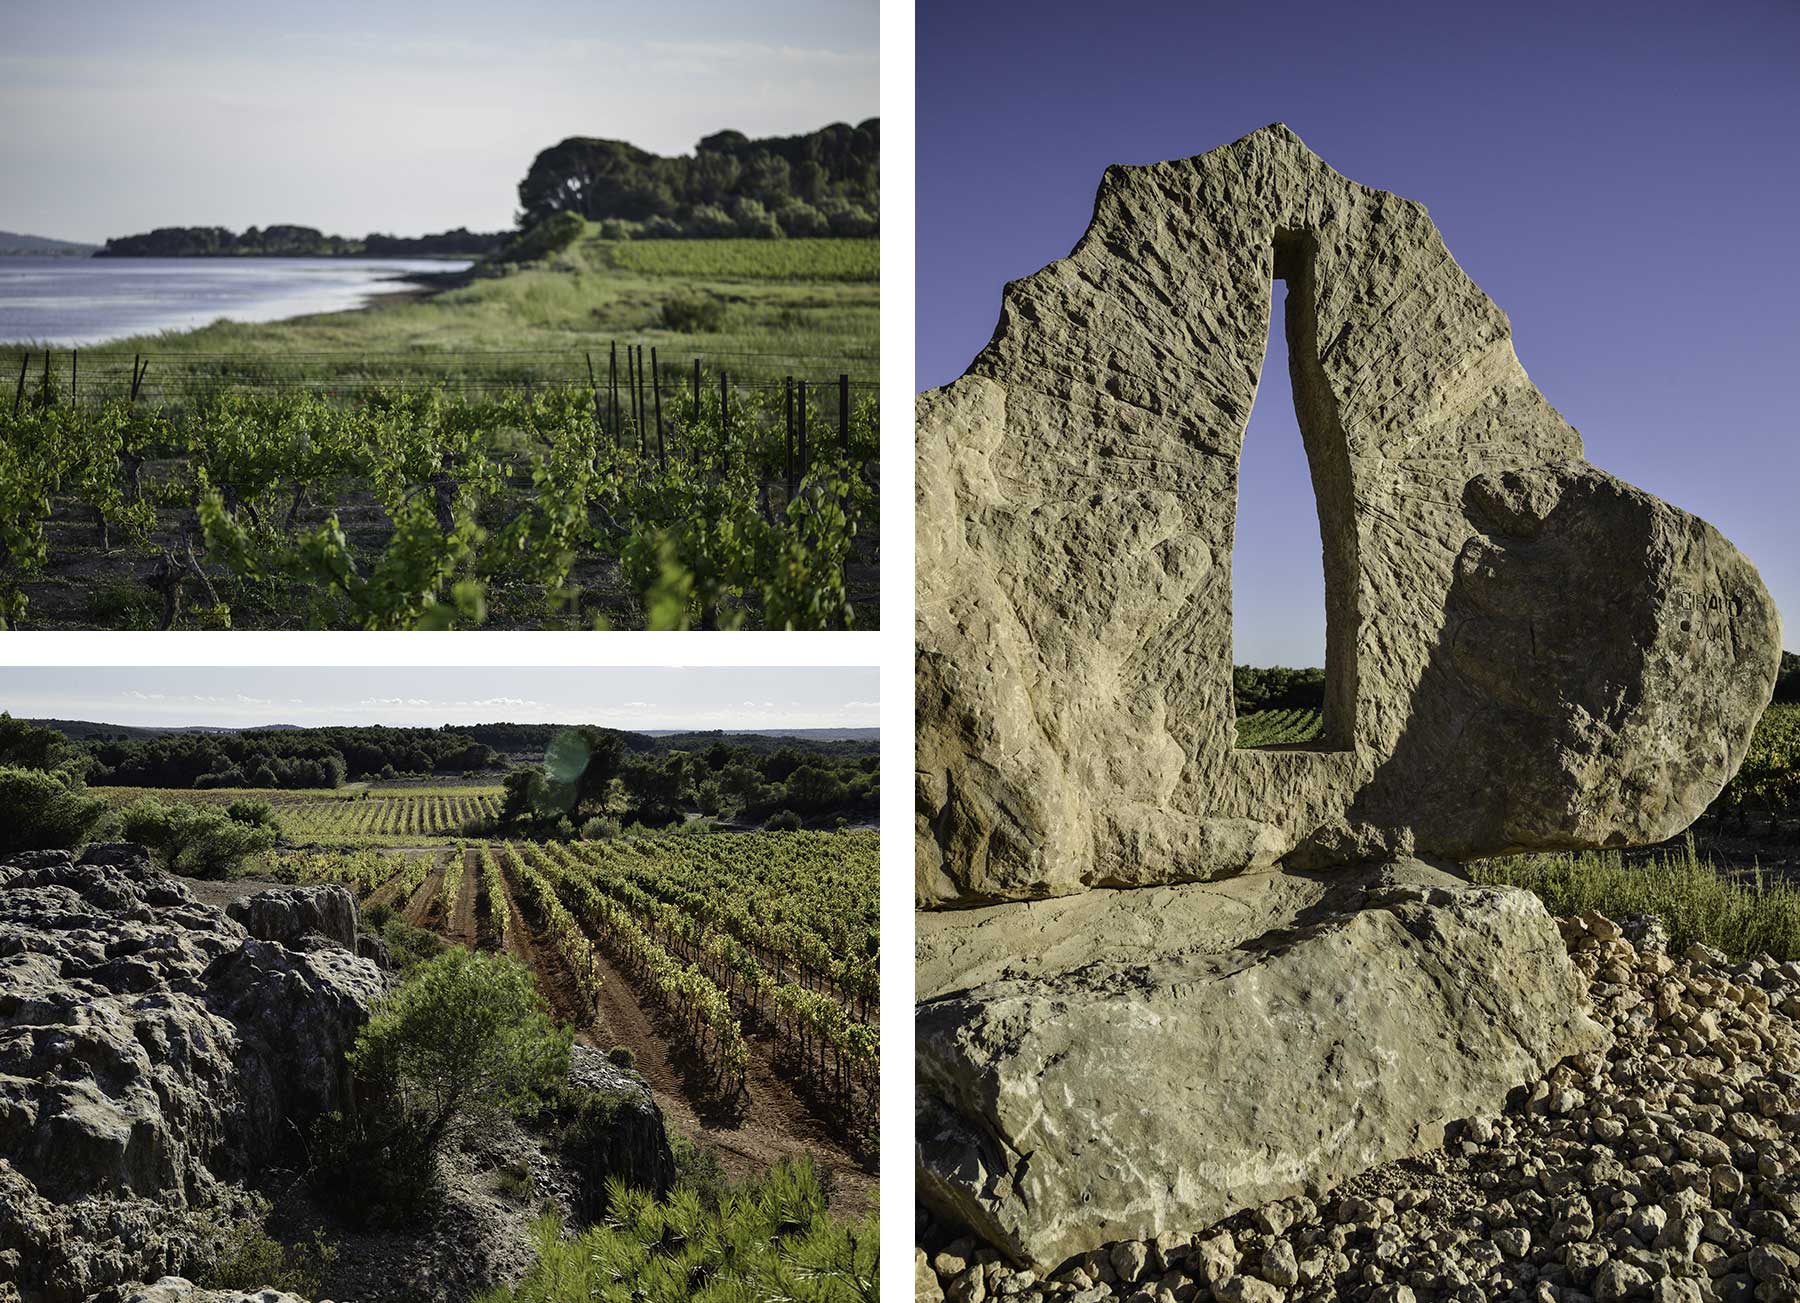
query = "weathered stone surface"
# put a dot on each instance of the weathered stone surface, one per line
(177, 1289)
(288, 913)
(635, 1146)
(1588, 1167)
(150, 1053)
(1522, 651)
(1104, 1069)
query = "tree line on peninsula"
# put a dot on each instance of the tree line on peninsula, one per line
(825, 182)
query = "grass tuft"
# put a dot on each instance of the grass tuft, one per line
(1743, 916)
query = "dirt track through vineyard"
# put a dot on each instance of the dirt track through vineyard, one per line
(462, 926)
(418, 909)
(776, 1123)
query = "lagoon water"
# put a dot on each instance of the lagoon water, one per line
(81, 301)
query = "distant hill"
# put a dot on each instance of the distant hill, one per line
(297, 242)
(13, 244)
(687, 736)
(81, 730)
(510, 739)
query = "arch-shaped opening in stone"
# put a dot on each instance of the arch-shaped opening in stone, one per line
(1294, 263)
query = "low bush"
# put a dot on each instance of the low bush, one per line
(250, 1259)
(783, 821)
(621, 1057)
(697, 1167)
(409, 946)
(258, 814)
(201, 841)
(600, 829)
(545, 240)
(693, 314)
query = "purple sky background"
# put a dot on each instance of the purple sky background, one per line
(1622, 179)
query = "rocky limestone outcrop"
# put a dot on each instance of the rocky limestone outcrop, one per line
(286, 914)
(1522, 652)
(1099, 1068)
(634, 1145)
(151, 1053)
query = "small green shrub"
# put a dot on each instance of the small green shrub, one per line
(693, 314)
(545, 240)
(466, 1039)
(783, 821)
(252, 1259)
(201, 841)
(409, 946)
(124, 604)
(697, 1167)
(621, 1057)
(375, 918)
(375, 1167)
(258, 814)
(516, 1183)
(600, 829)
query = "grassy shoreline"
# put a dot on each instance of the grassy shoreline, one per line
(794, 299)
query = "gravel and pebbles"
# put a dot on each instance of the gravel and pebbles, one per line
(1665, 1169)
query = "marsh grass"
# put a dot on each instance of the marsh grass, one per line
(781, 305)
(1743, 915)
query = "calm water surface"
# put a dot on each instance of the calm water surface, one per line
(80, 301)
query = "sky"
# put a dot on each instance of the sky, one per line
(1619, 177)
(627, 698)
(401, 118)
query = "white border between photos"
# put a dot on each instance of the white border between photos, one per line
(895, 656)
(890, 648)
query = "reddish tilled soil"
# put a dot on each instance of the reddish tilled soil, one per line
(462, 926)
(421, 909)
(768, 1124)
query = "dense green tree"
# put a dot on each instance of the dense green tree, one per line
(1787, 685)
(704, 194)
(465, 1039)
(43, 811)
(26, 746)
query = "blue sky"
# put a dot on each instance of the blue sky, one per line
(628, 697)
(1619, 178)
(122, 116)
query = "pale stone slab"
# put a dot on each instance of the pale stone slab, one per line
(1101, 1082)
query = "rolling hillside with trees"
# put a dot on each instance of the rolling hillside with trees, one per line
(505, 780)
